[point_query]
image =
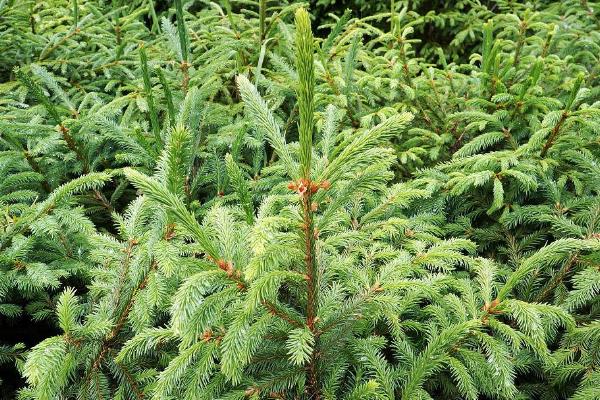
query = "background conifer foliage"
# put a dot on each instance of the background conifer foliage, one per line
(240, 199)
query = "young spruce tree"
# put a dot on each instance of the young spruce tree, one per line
(204, 201)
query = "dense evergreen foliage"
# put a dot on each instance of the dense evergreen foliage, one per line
(239, 199)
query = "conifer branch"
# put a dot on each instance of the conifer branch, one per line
(262, 13)
(305, 67)
(149, 96)
(183, 43)
(306, 88)
(563, 117)
(75, 13)
(554, 134)
(36, 167)
(168, 96)
(155, 24)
